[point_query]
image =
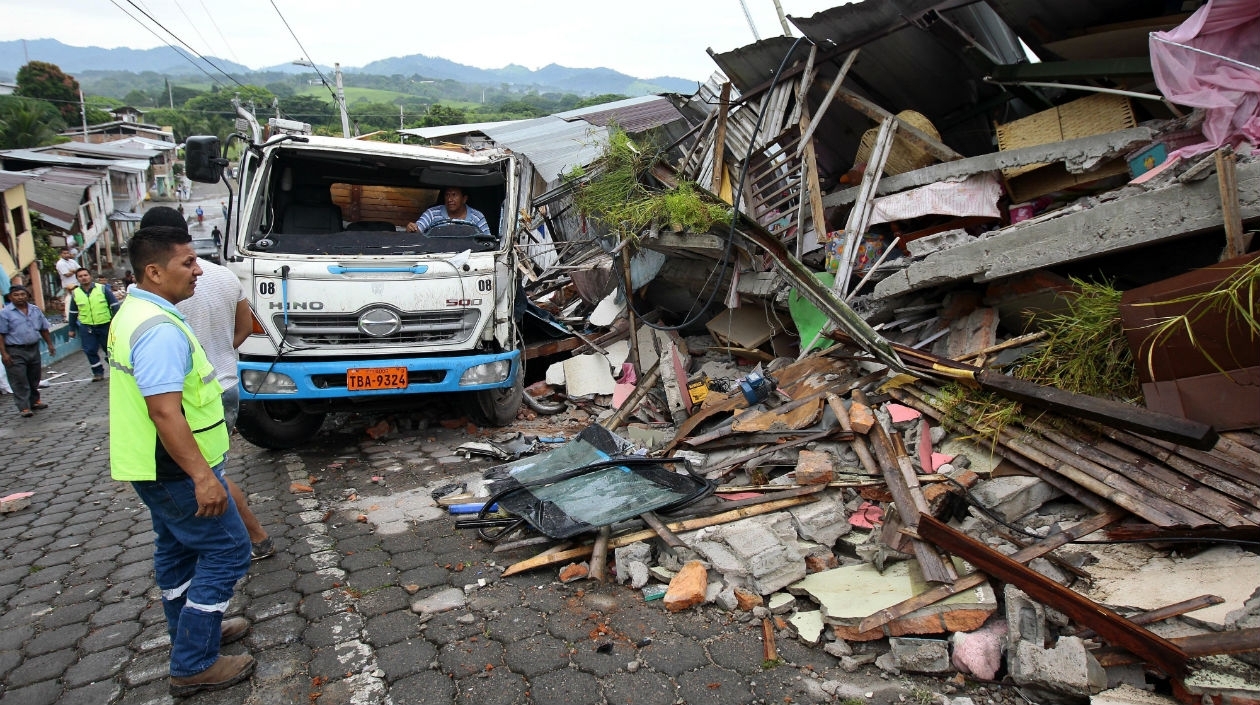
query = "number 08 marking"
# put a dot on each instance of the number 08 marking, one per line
(485, 285)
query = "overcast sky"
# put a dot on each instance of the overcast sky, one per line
(642, 38)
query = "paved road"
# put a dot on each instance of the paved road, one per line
(81, 619)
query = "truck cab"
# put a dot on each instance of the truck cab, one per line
(351, 308)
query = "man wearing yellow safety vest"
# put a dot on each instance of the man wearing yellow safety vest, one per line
(168, 439)
(92, 307)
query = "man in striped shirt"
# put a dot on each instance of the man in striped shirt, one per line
(454, 206)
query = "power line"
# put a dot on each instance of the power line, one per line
(186, 45)
(182, 55)
(309, 60)
(220, 32)
(195, 28)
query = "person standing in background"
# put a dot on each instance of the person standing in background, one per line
(91, 309)
(22, 324)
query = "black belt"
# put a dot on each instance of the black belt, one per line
(23, 345)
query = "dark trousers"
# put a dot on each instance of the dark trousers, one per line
(93, 339)
(24, 374)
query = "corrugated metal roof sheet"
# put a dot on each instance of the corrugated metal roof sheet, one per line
(432, 133)
(106, 149)
(9, 179)
(633, 115)
(56, 203)
(551, 144)
(73, 177)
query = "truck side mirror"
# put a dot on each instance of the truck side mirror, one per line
(201, 159)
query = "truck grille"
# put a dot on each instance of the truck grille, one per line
(418, 328)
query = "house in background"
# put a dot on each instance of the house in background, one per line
(17, 241)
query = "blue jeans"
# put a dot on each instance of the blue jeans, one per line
(198, 561)
(93, 339)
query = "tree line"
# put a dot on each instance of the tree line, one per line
(47, 102)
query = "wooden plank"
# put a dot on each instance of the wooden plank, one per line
(719, 139)
(860, 214)
(678, 526)
(1238, 641)
(972, 580)
(858, 443)
(812, 187)
(831, 94)
(1236, 239)
(909, 132)
(795, 416)
(1166, 612)
(1156, 651)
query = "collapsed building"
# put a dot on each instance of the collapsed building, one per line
(913, 199)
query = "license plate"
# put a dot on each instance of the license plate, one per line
(376, 378)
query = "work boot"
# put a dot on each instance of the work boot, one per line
(226, 672)
(233, 629)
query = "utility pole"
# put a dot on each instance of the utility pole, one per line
(400, 118)
(83, 113)
(748, 16)
(778, 7)
(341, 100)
(170, 95)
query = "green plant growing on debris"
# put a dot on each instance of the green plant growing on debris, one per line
(1234, 299)
(1084, 351)
(611, 191)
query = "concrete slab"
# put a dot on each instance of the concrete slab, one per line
(1163, 213)
(1129, 695)
(1134, 575)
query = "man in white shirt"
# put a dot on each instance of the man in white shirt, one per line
(66, 268)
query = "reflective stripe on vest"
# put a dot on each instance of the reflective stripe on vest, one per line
(93, 307)
(133, 441)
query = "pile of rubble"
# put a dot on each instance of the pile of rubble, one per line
(796, 359)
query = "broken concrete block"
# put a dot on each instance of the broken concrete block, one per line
(808, 625)
(850, 664)
(781, 603)
(1013, 497)
(449, 599)
(639, 575)
(688, 587)
(1129, 695)
(849, 594)
(1067, 668)
(721, 559)
(979, 653)
(766, 545)
(887, 663)
(662, 574)
(861, 419)
(726, 599)
(814, 468)
(587, 374)
(1026, 619)
(823, 521)
(921, 655)
(623, 556)
(712, 591)
(838, 648)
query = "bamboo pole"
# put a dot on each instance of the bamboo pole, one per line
(859, 443)
(599, 556)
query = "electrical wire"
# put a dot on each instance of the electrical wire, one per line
(305, 53)
(226, 44)
(181, 54)
(181, 41)
(735, 214)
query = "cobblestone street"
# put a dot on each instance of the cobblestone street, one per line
(82, 621)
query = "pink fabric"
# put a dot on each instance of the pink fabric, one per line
(1228, 93)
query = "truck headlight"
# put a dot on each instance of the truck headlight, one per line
(487, 373)
(260, 382)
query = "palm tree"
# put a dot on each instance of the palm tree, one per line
(21, 127)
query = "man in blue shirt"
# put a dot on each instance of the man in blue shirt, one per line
(22, 324)
(454, 206)
(92, 306)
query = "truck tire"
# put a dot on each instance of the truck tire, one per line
(278, 425)
(495, 407)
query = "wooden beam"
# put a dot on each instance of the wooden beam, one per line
(860, 215)
(719, 139)
(831, 94)
(1238, 641)
(967, 582)
(1227, 176)
(909, 132)
(1156, 651)
(1165, 612)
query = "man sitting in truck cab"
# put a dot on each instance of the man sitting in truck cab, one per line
(454, 206)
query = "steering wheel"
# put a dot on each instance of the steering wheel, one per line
(462, 226)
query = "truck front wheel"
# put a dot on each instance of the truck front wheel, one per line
(495, 407)
(278, 425)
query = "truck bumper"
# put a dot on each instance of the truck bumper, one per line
(326, 379)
